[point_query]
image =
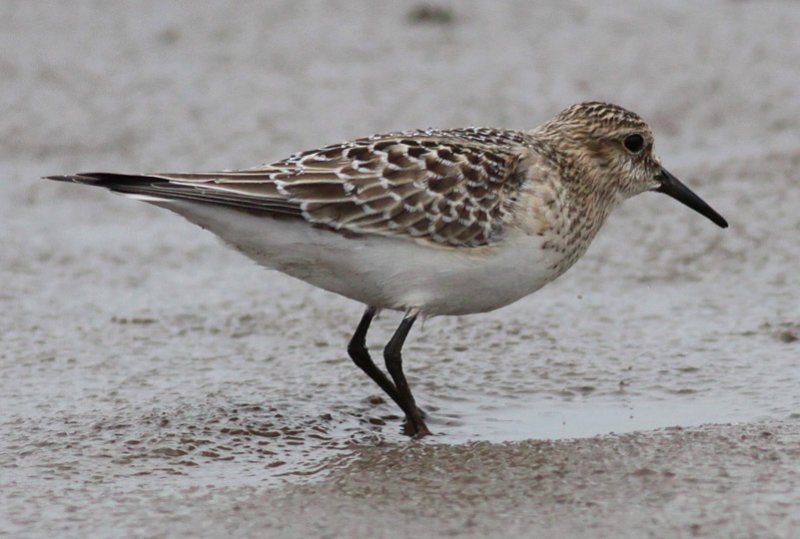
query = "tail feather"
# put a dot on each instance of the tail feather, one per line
(156, 188)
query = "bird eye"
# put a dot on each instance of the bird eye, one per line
(634, 143)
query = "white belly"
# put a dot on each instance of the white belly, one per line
(385, 272)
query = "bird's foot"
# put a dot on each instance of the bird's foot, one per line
(415, 428)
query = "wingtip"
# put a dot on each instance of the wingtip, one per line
(80, 177)
(58, 178)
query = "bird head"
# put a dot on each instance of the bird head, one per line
(607, 149)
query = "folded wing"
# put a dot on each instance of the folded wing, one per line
(447, 187)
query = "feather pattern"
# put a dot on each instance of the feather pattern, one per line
(448, 187)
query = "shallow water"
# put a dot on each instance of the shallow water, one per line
(153, 382)
(139, 352)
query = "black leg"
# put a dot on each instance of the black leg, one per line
(415, 426)
(357, 348)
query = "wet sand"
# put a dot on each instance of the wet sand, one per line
(153, 382)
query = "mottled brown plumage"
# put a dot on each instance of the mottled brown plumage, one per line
(449, 187)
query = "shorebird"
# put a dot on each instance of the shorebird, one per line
(429, 222)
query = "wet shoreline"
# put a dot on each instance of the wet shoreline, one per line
(154, 383)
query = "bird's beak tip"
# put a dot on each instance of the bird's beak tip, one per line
(670, 185)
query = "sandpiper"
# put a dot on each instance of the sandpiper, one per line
(430, 222)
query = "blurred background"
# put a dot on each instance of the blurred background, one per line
(210, 84)
(140, 355)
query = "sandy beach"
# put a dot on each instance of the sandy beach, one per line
(154, 383)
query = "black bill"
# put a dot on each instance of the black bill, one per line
(670, 185)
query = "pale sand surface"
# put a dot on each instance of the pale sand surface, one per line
(154, 383)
